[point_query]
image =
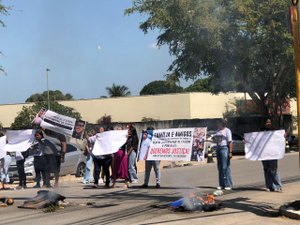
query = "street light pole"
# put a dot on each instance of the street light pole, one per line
(48, 96)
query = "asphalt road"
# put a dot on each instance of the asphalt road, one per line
(247, 203)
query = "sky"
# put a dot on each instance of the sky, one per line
(87, 45)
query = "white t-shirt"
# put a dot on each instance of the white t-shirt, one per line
(144, 148)
(223, 137)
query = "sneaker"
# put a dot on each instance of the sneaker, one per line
(157, 186)
(228, 188)
(278, 190)
(144, 186)
(134, 181)
(95, 186)
(101, 181)
(85, 182)
(219, 188)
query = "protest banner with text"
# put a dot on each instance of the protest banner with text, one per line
(265, 145)
(178, 144)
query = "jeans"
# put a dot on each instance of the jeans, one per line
(148, 166)
(272, 178)
(131, 166)
(224, 167)
(21, 171)
(5, 162)
(105, 164)
(39, 167)
(87, 173)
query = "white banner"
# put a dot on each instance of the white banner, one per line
(19, 140)
(58, 123)
(265, 145)
(2, 144)
(109, 142)
(181, 144)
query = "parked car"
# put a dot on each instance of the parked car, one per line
(75, 163)
(238, 145)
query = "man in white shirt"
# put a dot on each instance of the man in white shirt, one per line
(145, 145)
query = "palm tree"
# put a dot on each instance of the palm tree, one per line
(118, 91)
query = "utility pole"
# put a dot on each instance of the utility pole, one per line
(48, 95)
(295, 29)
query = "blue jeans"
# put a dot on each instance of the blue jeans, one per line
(5, 162)
(224, 167)
(87, 173)
(131, 166)
(148, 166)
(272, 178)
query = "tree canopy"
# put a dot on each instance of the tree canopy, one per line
(25, 117)
(200, 85)
(160, 87)
(3, 11)
(53, 95)
(242, 45)
(118, 91)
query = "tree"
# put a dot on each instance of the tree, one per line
(160, 87)
(25, 117)
(104, 121)
(200, 85)
(53, 95)
(118, 91)
(3, 11)
(241, 45)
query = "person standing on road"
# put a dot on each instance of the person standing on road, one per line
(60, 143)
(120, 165)
(272, 178)
(132, 146)
(39, 161)
(223, 139)
(145, 145)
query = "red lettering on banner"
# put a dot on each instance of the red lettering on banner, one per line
(180, 151)
(160, 151)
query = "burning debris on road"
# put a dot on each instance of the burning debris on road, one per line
(43, 199)
(195, 202)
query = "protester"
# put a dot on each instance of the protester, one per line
(89, 159)
(145, 145)
(5, 160)
(60, 143)
(39, 160)
(223, 139)
(20, 161)
(272, 178)
(4, 166)
(120, 165)
(131, 147)
(101, 162)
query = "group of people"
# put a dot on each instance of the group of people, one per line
(50, 148)
(122, 164)
(223, 139)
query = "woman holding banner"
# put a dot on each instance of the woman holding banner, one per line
(120, 165)
(132, 146)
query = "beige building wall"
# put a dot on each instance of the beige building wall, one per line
(125, 109)
(9, 112)
(133, 109)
